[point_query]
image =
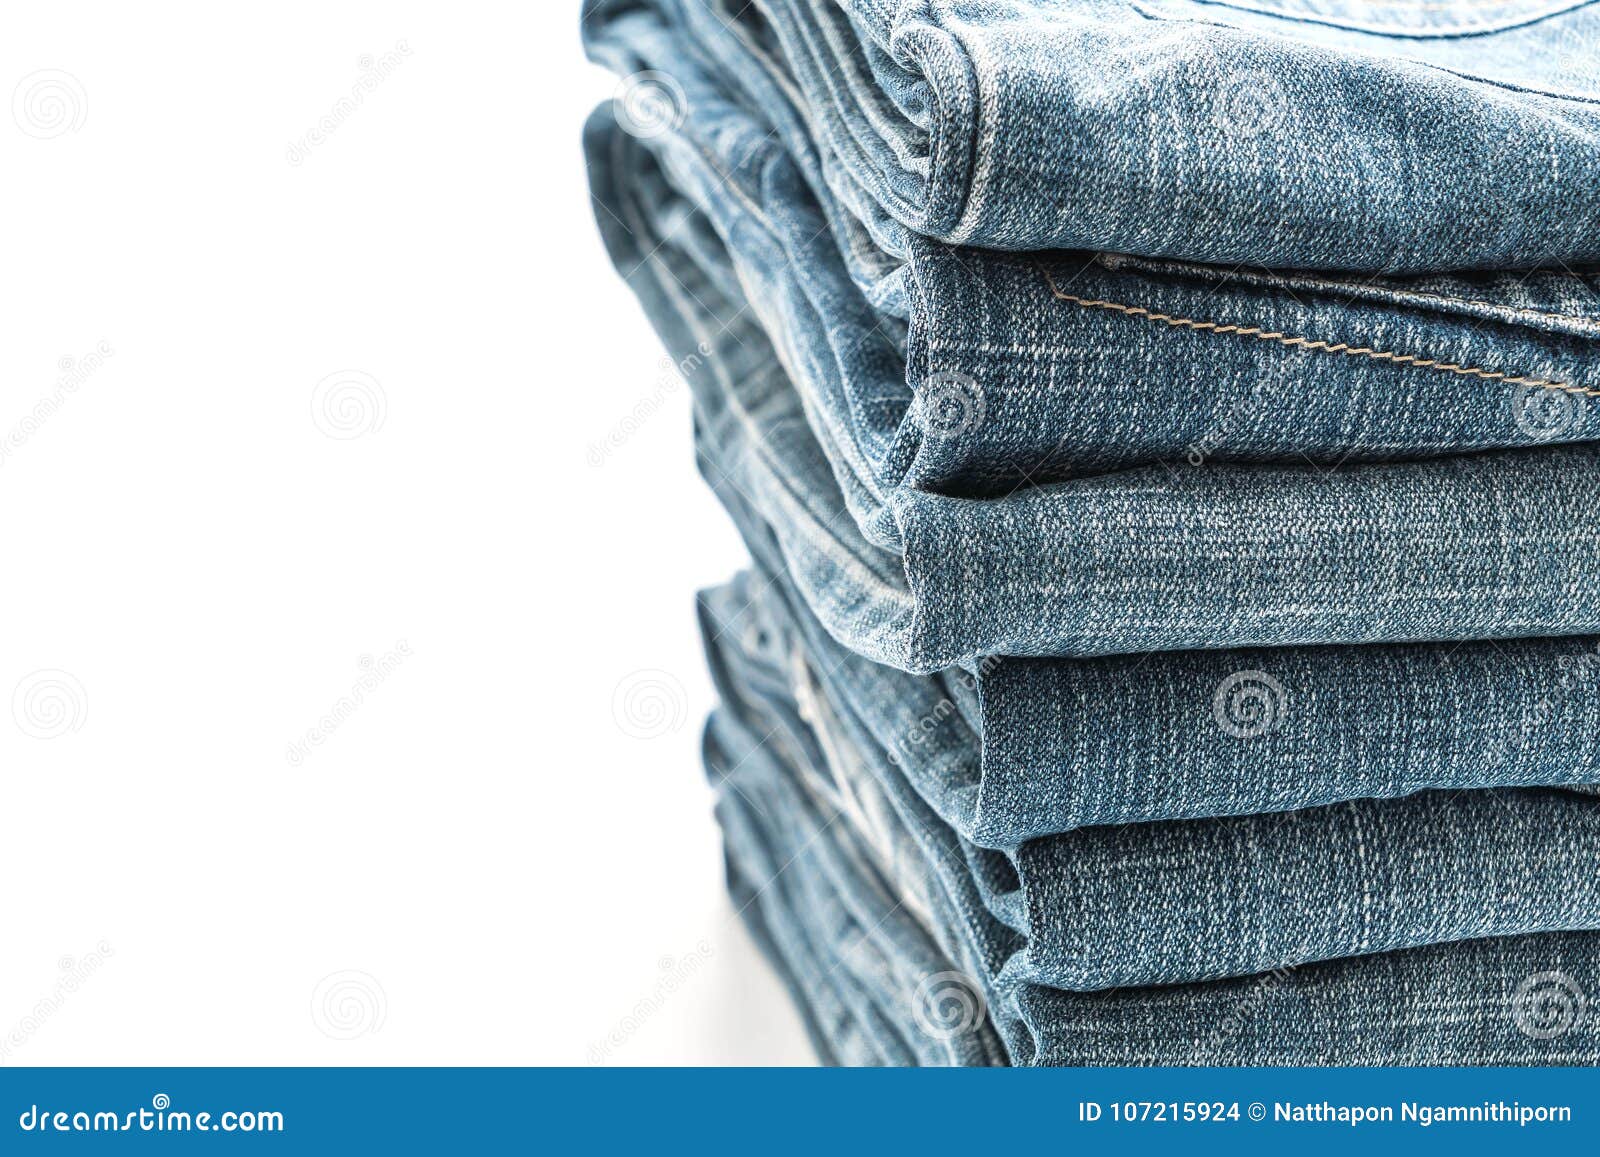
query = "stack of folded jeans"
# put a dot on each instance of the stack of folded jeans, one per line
(1163, 433)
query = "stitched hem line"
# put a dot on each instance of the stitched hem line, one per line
(1327, 284)
(1343, 349)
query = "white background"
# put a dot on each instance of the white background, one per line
(505, 853)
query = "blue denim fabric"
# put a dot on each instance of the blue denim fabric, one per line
(1104, 907)
(871, 910)
(1163, 486)
(1315, 133)
(741, 154)
(1071, 743)
(1457, 548)
(1067, 743)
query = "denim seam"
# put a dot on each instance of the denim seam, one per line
(1117, 262)
(1506, 23)
(1342, 348)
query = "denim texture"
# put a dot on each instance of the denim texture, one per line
(1027, 525)
(871, 910)
(1313, 133)
(1110, 906)
(1067, 743)
(1170, 486)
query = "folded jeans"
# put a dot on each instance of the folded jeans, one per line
(1246, 553)
(877, 921)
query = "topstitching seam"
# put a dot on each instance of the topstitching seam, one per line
(1344, 349)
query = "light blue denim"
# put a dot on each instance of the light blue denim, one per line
(872, 912)
(1165, 485)
(938, 386)
(1105, 907)
(1179, 901)
(1067, 743)
(1328, 134)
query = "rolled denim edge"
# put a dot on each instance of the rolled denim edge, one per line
(836, 853)
(1012, 750)
(1524, 711)
(852, 1010)
(987, 596)
(1061, 952)
(920, 41)
(859, 620)
(922, 655)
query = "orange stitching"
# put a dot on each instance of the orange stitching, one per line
(1342, 348)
